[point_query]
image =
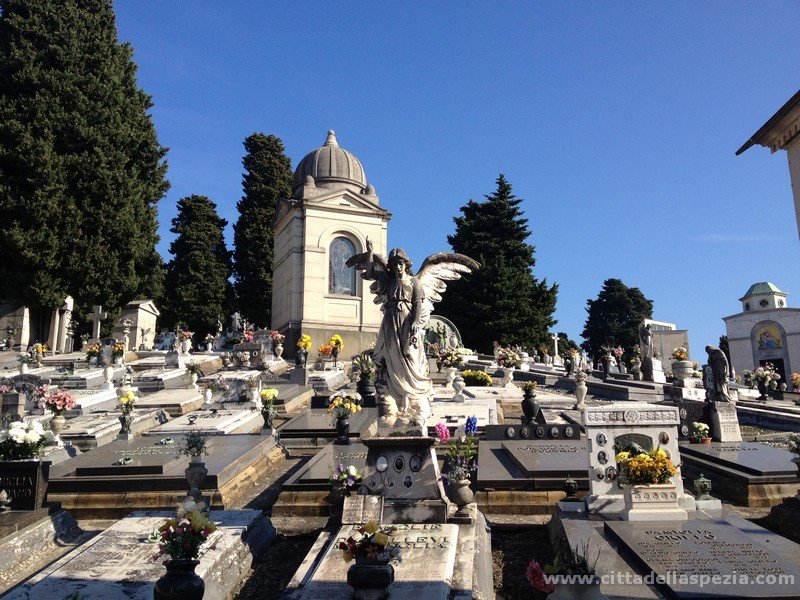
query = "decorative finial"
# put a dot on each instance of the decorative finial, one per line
(331, 140)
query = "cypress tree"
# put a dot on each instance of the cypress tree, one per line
(197, 287)
(502, 300)
(81, 170)
(267, 178)
(614, 317)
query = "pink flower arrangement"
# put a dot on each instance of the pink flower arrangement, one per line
(59, 401)
(277, 336)
(3, 389)
(535, 576)
(442, 433)
(618, 351)
(248, 336)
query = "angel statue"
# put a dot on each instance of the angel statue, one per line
(403, 384)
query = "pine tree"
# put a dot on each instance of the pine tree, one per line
(502, 300)
(614, 317)
(267, 178)
(81, 170)
(197, 287)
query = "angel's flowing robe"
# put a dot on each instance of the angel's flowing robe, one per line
(403, 370)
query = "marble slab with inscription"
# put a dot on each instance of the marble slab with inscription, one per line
(176, 402)
(750, 457)
(429, 554)
(729, 562)
(218, 422)
(314, 474)
(96, 429)
(120, 564)
(533, 464)
(90, 401)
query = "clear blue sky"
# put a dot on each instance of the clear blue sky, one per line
(616, 122)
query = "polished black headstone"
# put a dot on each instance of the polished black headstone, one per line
(749, 457)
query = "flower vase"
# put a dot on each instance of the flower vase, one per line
(343, 430)
(195, 475)
(23, 368)
(461, 495)
(370, 581)
(108, 374)
(278, 351)
(365, 387)
(606, 367)
(652, 502)
(459, 384)
(336, 499)
(450, 375)
(207, 395)
(125, 420)
(762, 390)
(301, 357)
(773, 385)
(193, 377)
(578, 591)
(180, 581)
(530, 407)
(186, 346)
(118, 361)
(56, 425)
(705, 440)
(580, 394)
(269, 417)
(508, 375)
(682, 369)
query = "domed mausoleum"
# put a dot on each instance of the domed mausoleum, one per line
(332, 212)
(766, 330)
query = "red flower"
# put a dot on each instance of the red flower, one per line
(535, 576)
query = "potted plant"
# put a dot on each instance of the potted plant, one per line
(682, 367)
(92, 352)
(618, 352)
(21, 444)
(373, 553)
(474, 378)
(337, 345)
(646, 479)
(277, 343)
(460, 462)
(196, 472)
(508, 360)
(569, 578)
(185, 338)
(341, 406)
(700, 433)
(127, 402)
(303, 346)
(364, 367)
(23, 360)
(118, 352)
(268, 410)
(181, 539)
(344, 480)
(195, 372)
(607, 358)
(764, 375)
(209, 340)
(530, 408)
(56, 402)
(450, 360)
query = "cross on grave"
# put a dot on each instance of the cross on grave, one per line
(97, 316)
(555, 343)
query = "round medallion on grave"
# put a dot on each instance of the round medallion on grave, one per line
(684, 430)
(525, 432)
(539, 432)
(631, 416)
(554, 432)
(683, 413)
(381, 464)
(602, 457)
(415, 463)
(510, 432)
(569, 431)
(663, 437)
(399, 463)
(388, 481)
(611, 473)
(601, 438)
(372, 483)
(408, 482)
(599, 473)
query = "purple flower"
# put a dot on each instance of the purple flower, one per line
(350, 481)
(471, 427)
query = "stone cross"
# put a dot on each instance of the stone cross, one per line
(555, 344)
(97, 316)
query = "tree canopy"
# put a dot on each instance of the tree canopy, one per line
(614, 317)
(81, 169)
(197, 288)
(267, 178)
(502, 300)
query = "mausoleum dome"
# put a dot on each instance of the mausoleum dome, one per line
(331, 167)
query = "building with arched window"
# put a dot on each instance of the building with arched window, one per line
(766, 330)
(327, 220)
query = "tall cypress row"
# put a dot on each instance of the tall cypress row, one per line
(267, 178)
(81, 169)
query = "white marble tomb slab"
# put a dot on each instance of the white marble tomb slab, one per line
(119, 564)
(176, 402)
(429, 555)
(90, 401)
(219, 423)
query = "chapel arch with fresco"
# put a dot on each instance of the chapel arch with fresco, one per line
(342, 279)
(769, 345)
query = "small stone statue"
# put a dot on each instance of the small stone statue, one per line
(718, 362)
(403, 383)
(646, 340)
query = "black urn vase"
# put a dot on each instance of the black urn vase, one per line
(180, 582)
(343, 430)
(762, 390)
(530, 407)
(301, 357)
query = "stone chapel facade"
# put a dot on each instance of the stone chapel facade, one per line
(766, 330)
(327, 220)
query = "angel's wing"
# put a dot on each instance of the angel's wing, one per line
(435, 271)
(373, 264)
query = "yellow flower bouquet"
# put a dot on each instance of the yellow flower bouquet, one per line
(304, 342)
(344, 405)
(645, 468)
